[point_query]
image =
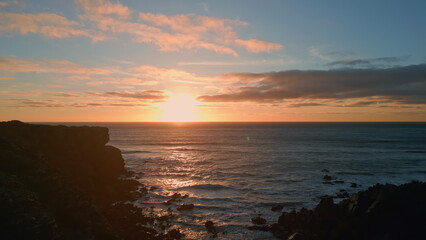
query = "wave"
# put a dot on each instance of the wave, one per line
(189, 150)
(179, 143)
(134, 151)
(415, 151)
(205, 187)
(355, 173)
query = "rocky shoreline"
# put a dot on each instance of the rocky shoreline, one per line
(59, 182)
(387, 212)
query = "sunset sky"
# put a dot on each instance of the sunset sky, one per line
(221, 60)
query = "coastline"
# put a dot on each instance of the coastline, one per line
(63, 182)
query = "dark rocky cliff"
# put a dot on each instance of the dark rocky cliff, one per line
(59, 182)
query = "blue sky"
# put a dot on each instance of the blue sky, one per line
(129, 56)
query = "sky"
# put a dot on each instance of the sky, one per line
(221, 60)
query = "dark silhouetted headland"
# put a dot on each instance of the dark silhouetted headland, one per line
(59, 182)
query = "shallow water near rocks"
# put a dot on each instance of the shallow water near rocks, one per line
(232, 172)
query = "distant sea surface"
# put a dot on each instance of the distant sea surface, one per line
(235, 171)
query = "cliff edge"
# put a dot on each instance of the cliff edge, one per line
(59, 182)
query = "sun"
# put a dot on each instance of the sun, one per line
(179, 108)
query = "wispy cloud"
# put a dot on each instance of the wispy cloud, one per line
(12, 3)
(173, 32)
(53, 103)
(46, 24)
(257, 46)
(44, 65)
(103, 7)
(101, 20)
(147, 95)
(316, 52)
(368, 62)
(242, 63)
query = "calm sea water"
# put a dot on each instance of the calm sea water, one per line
(234, 171)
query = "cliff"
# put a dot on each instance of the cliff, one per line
(59, 182)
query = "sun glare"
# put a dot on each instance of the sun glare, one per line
(179, 108)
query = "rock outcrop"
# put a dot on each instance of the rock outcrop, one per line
(385, 212)
(59, 182)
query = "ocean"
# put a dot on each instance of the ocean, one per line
(233, 172)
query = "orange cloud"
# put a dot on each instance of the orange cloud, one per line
(210, 28)
(172, 33)
(192, 23)
(102, 7)
(11, 3)
(146, 95)
(144, 33)
(164, 74)
(169, 33)
(256, 46)
(47, 24)
(13, 64)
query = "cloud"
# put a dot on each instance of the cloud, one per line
(168, 74)
(44, 65)
(143, 33)
(316, 52)
(46, 24)
(65, 95)
(193, 23)
(256, 46)
(107, 20)
(365, 103)
(207, 28)
(241, 63)
(11, 3)
(368, 63)
(103, 7)
(126, 82)
(180, 32)
(400, 85)
(31, 103)
(309, 104)
(147, 95)
(51, 103)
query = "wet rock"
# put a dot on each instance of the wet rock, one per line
(186, 207)
(327, 177)
(277, 208)
(211, 228)
(174, 198)
(258, 220)
(174, 234)
(342, 195)
(265, 228)
(209, 225)
(354, 185)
